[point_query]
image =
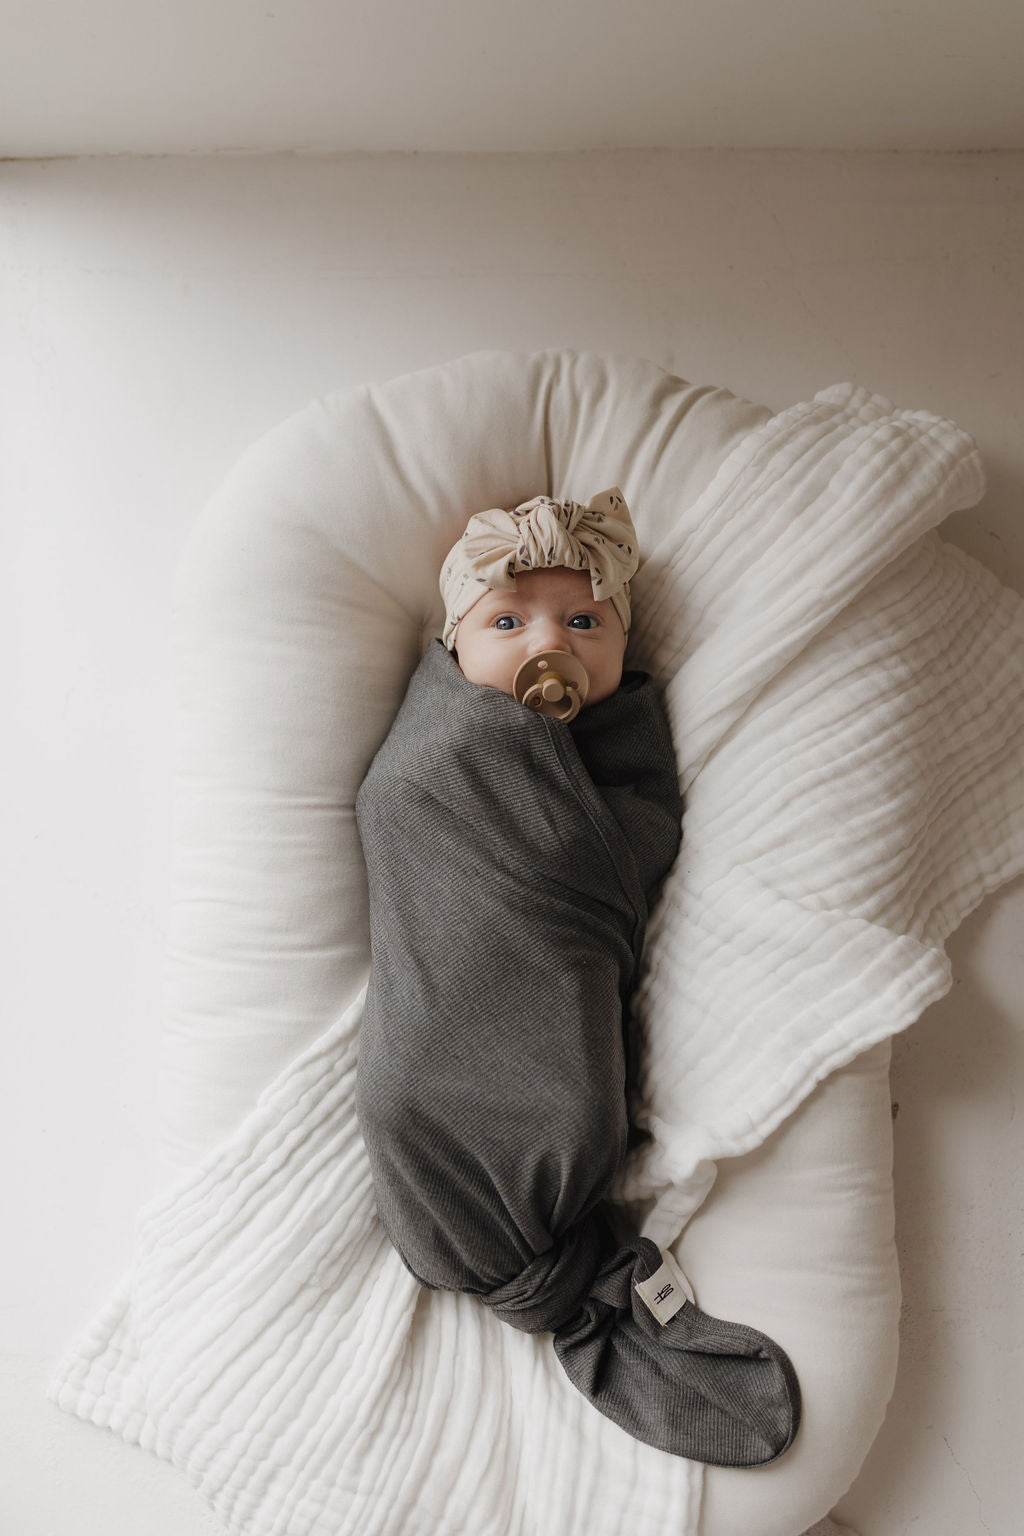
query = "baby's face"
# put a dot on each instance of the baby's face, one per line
(550, 610)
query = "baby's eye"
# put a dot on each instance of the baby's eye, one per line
(584, 621)
(508, 621)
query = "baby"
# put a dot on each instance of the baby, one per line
(517, 823)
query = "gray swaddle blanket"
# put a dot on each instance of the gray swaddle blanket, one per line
(511, 860)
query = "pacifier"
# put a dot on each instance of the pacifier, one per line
(553, 683)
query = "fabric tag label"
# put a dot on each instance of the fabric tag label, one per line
(666, 1290)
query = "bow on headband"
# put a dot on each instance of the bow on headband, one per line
(599, 538)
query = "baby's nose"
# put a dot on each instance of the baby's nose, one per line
(549, 635)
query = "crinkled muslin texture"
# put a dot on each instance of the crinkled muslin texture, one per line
(540, 533)
(847, 703)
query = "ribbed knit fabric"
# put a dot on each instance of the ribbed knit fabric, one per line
(847, 701)
(509, 873)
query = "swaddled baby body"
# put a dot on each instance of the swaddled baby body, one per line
(513, 850)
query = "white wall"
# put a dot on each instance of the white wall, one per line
(159, 314)
(153, 78)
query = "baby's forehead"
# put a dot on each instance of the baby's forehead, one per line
(555, 583)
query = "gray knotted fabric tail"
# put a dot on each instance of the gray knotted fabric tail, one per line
(510, 860)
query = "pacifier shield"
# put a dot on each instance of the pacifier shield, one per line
(552, 683)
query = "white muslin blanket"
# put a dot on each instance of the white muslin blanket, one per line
(847, 697)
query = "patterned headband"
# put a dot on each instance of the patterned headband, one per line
(599, 538)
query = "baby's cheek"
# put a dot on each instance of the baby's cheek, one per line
(488, 671)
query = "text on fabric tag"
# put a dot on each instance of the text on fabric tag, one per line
(666, 1290)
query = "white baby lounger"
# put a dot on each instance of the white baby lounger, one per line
(846, 703)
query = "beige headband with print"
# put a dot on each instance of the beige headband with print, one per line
(599, 538)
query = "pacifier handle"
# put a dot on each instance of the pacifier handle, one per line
(553, 683)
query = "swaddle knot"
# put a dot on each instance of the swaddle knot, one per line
(570, 1287)
(550, 1291)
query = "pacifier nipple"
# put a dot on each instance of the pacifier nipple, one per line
(553, 683)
